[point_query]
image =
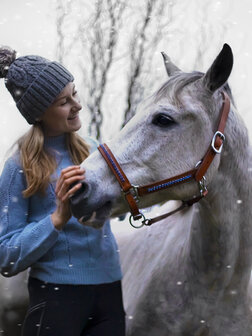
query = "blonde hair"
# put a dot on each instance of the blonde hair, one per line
(39, 164)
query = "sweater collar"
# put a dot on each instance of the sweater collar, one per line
(56, 142)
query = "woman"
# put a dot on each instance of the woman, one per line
(74, 278)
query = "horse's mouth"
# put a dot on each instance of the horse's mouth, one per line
(97, 218)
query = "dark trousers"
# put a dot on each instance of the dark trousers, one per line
(74, 310)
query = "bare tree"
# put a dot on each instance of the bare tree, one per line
(143, 44)
(63, 10)
(103, 39)
(96, 40)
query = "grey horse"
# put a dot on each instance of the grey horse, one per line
(189, 274)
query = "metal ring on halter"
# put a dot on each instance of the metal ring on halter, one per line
(142, 218)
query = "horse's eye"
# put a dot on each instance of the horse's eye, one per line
(163, 120)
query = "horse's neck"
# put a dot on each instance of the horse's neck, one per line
(221, 232)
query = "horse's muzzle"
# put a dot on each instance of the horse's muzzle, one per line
(78, 201)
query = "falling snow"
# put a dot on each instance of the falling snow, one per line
(179, 42)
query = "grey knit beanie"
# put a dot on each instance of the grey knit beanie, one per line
(33, 81)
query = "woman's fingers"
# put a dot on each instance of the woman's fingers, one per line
(70, 168)
(65, 186)
(68, 173)
(71, 192)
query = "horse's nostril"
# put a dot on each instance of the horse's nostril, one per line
(82, 193)
(78, 199)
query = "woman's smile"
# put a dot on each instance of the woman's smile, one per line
(73, 117)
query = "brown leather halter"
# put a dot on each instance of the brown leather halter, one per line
(132, 192)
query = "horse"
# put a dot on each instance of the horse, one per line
(188, 274)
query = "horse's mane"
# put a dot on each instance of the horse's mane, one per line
(176, 83)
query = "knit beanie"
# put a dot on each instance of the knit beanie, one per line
(33, 81)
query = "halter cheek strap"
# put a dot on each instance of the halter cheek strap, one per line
(217, 140)
(128, 189)
(132, 193)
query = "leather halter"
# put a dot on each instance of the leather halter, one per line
(132, 193)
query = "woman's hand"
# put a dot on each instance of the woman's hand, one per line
(69, 176)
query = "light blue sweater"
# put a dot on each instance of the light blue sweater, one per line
(74, 255)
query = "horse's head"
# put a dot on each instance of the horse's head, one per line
(169, 135)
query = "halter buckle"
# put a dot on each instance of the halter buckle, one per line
(222, 136)
(133, 190)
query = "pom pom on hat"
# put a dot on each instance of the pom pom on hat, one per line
(7, 57)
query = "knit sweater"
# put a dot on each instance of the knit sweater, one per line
(77, 254)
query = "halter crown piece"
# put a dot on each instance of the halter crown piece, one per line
(133, 193)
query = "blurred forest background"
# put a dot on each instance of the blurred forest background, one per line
(113, 49)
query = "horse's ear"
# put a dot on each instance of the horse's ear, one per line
(171, 68)
(220, 70)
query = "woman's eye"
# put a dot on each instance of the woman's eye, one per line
(163, 120)
(63, 103)
(75, 92)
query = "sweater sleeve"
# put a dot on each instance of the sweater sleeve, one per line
(22, 243)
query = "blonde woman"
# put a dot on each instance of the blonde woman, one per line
(74, 273)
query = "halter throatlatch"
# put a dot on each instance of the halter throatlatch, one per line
(133, 193)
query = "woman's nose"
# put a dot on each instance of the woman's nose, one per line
(76, 106)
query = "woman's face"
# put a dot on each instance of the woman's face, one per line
(63, 115)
